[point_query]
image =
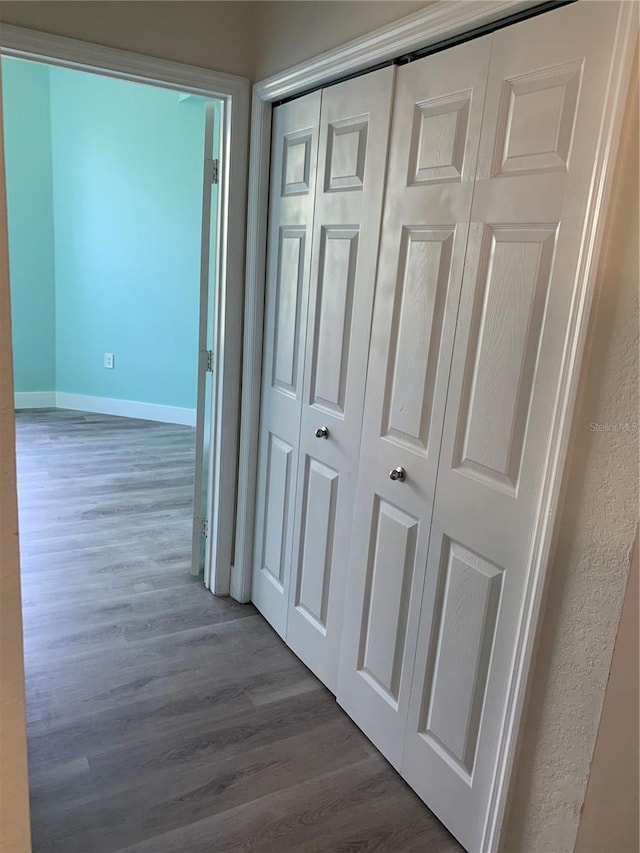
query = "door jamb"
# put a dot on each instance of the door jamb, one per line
(439, 21)
(202, 509)
(70, 53)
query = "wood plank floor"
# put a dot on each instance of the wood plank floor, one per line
(160, 718)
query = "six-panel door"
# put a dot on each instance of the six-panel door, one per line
(432, 163)
(354, 126)
(291, 205)
(543, 107)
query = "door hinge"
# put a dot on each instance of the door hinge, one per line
(201, 527)
(206, 360)
(212, 171)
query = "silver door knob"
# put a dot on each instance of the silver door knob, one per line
(322, 432)
(398, 474)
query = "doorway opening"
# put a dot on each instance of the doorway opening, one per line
(117, 185)
(120, 219)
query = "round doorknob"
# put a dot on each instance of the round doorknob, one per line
(398, 474)
(322, 432)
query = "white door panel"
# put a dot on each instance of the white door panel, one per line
(317, 531)
(354, 129)
(432, 163)
(291, 205)
(545, 93)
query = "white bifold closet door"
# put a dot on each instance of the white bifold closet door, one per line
(544, 104)
(496, 137)
(293, 187)
(316, 345)
(432, 165)
(354, 129)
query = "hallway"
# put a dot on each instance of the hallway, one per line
(160, 718)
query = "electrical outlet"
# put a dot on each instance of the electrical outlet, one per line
(108, 360)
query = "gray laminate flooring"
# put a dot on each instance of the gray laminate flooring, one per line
(162, 719)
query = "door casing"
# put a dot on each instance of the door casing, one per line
(233, 91)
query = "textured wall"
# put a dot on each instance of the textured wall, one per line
(253, 39)
(14, 800)
(289, 32)
(29, 204)
(594, 540)
(610, 819)
(209, 34)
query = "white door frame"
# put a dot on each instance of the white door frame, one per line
(234, 92)
(440, 21)
(203, 505)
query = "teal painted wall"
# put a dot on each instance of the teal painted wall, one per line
(127, 205)
(27, 145)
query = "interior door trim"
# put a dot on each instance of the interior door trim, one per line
(437, 22)
(234, 91)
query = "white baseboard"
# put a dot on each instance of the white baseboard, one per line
(126, 408)
(34, 399)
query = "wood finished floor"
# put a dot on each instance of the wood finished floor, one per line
(162, 719)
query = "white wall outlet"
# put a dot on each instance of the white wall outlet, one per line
(108, 360)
